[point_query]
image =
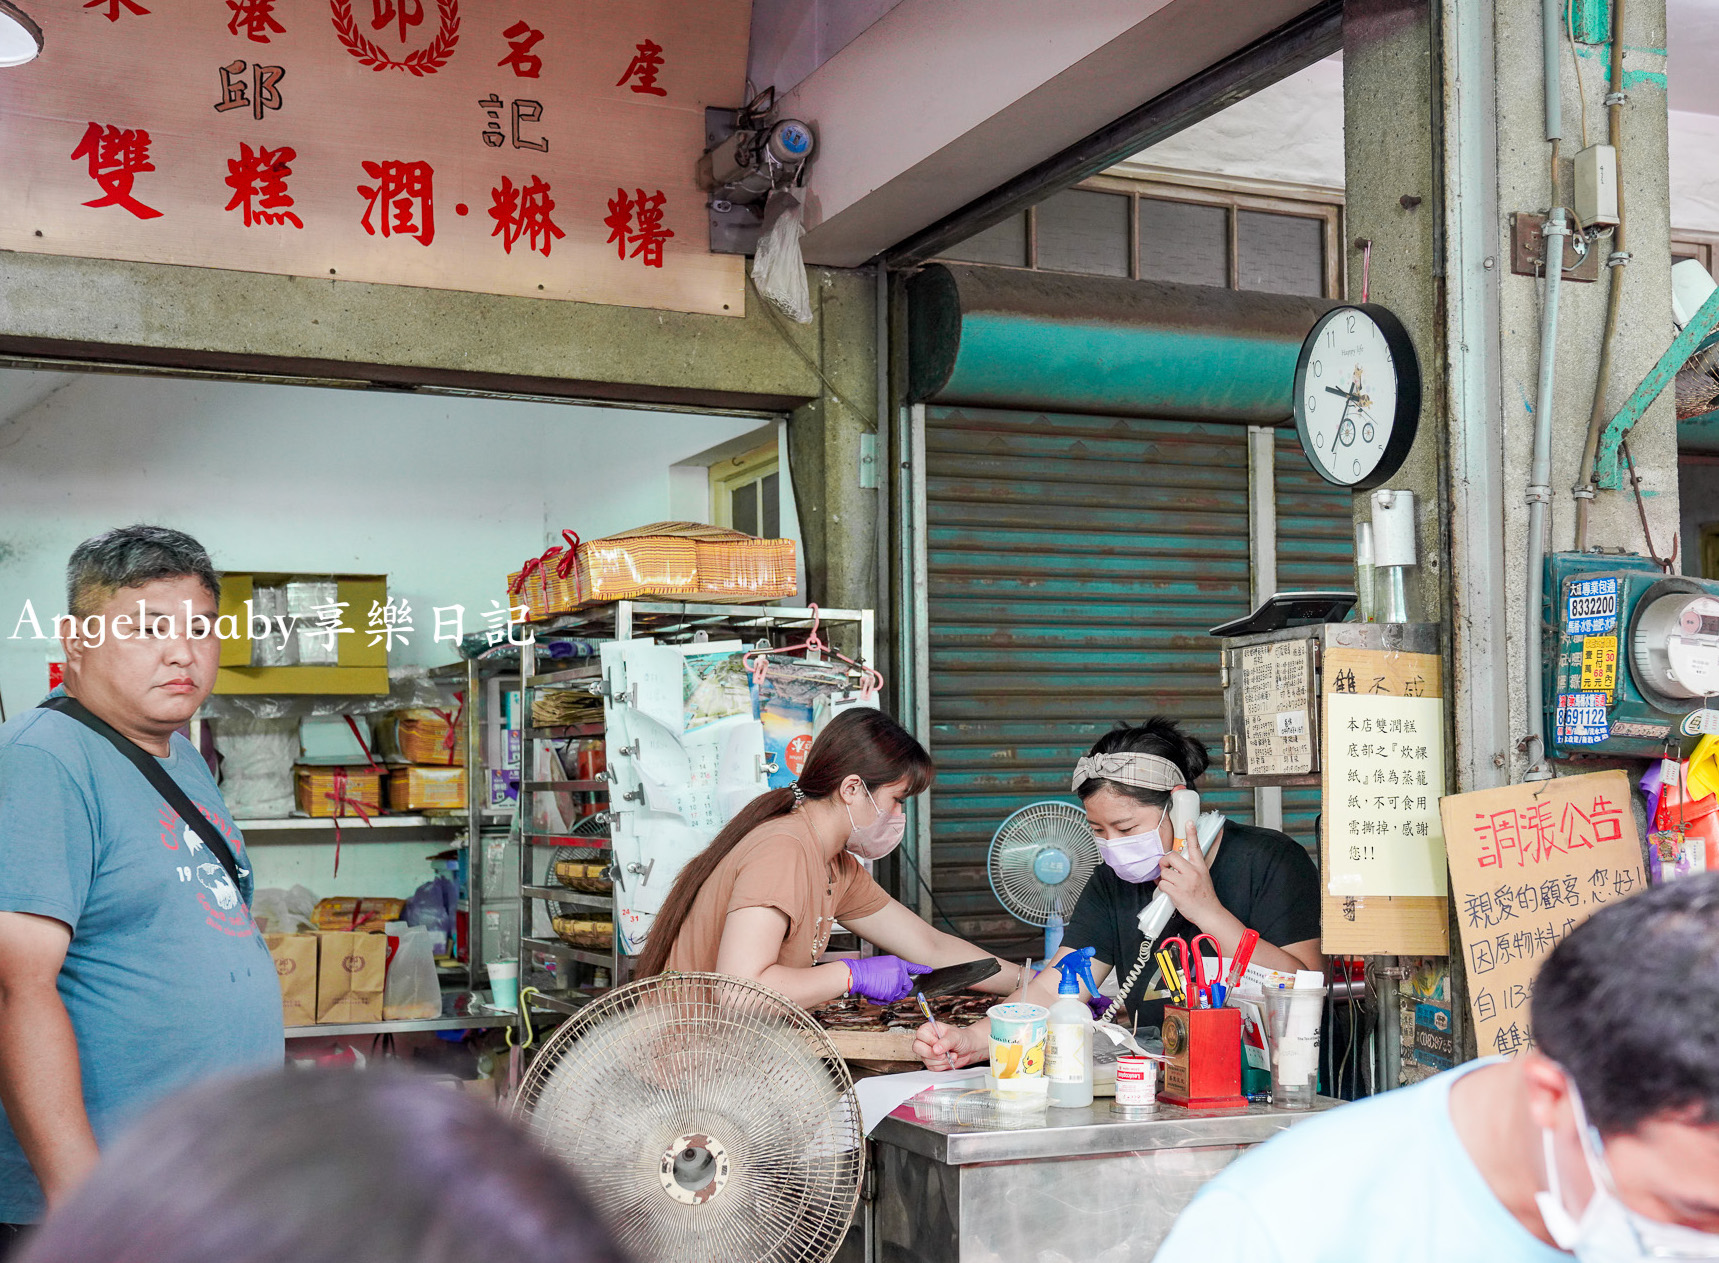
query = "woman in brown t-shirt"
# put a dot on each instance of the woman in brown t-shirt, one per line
(761, 900)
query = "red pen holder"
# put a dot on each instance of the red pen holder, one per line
(1204, 1051)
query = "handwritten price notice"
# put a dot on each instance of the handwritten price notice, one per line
(1528, 864)
(543, 149)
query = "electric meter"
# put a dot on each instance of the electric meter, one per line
(1632, 651)
(1675, 643)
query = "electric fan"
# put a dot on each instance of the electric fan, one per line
(1039, 862)
(707, 1116)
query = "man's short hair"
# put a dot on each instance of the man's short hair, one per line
(1628, 1004)
(128, 557)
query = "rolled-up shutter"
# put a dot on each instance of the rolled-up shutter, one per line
(1074, 565)
(1315, 550)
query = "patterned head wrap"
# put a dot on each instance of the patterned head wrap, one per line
(1141, 771)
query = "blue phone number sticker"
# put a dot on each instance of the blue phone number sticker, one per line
(1591, 606)
(1582, 719)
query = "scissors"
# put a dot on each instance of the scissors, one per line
(1197, 987)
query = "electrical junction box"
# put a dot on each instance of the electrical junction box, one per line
(1596, 200)
(1631, 652)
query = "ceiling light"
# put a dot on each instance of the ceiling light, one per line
(20, 37)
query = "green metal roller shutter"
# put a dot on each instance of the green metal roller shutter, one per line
(1315, 549)
(1074, 564)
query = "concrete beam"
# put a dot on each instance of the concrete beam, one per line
(159, 314)
(941, 100)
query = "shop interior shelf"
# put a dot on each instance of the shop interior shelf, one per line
(354, 829)
(578, 898)
(563, 1002)
(598, 841)
(560, 731)
(556, 947)
(667, 619)
(468, 1022)
(552, 787)
(568, 675)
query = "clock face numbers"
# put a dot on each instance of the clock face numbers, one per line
(1349, 395)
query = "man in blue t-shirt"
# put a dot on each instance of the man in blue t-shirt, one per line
(1602, 1142)
(129, 965)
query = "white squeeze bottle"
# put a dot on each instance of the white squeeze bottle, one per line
(1068, 1046)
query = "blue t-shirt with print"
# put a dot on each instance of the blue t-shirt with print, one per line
(166, 980)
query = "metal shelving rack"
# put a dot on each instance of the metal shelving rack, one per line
(668, 622)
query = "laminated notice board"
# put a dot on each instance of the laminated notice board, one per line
(1382, 863)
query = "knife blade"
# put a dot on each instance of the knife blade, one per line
(956, 977)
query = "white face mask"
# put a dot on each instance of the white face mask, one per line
(1608, 1231)
(877, 839)
(1137, 857)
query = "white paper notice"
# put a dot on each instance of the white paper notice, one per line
(1385, 769)
(881, 1094)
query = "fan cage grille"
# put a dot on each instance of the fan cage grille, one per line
(1020, 839)
(617, 1084)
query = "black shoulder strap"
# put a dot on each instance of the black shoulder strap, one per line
(157, 776)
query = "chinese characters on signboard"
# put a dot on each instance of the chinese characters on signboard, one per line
(1386, 773)
(1382, 853)
(1528, 864)
(1276, 686)
(542, 150)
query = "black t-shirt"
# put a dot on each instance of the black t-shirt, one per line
(1266, 878)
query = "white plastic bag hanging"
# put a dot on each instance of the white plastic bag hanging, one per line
(778, 271)
(412, 991)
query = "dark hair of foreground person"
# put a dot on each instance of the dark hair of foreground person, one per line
(324, 1166)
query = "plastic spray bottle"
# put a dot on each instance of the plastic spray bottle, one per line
(1068, 1049)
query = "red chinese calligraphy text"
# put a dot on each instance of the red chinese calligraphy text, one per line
(638, 222)
(259, 182)
(256, 17)
(524, 212)
(521, 39)
(113, 8)
(646, 64)
(404, 193)
(404, 12)
(116, 157)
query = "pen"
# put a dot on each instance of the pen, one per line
(925, 1008)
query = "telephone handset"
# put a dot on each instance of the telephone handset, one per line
(1185, 820)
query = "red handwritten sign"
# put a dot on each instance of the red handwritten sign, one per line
(1528, 864)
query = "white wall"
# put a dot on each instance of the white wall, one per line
(1292, 132)
(445, 495)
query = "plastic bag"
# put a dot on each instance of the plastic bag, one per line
(412, 992)
(778, 271)
(278, 911)
(432, 907)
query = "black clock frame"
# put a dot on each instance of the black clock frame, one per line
(1404, 424)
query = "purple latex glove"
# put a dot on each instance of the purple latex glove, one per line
(884, 979)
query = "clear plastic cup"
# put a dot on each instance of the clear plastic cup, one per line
(1295, 1014)
(504, 984)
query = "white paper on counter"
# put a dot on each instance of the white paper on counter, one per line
(881, 1094)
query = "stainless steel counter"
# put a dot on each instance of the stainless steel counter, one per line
(954, 1180)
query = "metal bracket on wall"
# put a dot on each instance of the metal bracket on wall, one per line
(1528, 250)
(1705, 321)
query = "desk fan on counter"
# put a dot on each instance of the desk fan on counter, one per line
(1039, 862)
(708, 1118)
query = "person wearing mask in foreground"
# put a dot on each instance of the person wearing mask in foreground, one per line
(1600, 1143)
(761, 900)
(1256, 879)
(325, 1166)
(129, 964)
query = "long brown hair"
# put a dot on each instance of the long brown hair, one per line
(860, 742)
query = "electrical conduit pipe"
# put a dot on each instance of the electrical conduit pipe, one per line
(1540, 475)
